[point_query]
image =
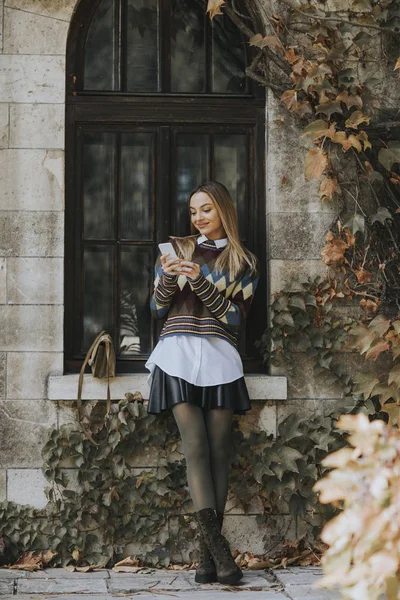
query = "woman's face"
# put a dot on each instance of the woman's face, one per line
(205, 217)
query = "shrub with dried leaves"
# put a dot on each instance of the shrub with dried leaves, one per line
(364, 539)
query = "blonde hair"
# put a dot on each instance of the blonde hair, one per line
(234, 257)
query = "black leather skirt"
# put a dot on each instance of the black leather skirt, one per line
(167, 390)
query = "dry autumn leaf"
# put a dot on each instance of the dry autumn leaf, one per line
(291, 56)
(328, 187)
(29, 561)
(350, 237)
(315, 163)
(356, 118)
(349, 99)
(272, 41)
(214, 8)
(333, 253)
(364, 138)
(363, 276)
(368, 306)
(289, 98)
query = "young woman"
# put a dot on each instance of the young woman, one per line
(196, 369)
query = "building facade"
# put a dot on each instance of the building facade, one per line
(71, 243)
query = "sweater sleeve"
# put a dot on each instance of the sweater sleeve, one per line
(230, 311)
(163, 289)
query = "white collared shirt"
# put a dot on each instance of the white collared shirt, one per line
(202, 361)
(219, 243)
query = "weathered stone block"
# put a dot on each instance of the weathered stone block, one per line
(303, 383)
(306, 233)
(261, 416)
(308, 408)
(136, 583)
(23, 428)
(26, 486)
(31, 328)
(288, 189)
(4, 122)
(37, 126)
(27, 373)
(31, 179)
(31, 233)
(49, 38)
(35, 280)
(32, 78)
(284, 272)
(3, 485)
(1, 25)
(83, 585)
(3, 362)
(260, 387)
(3, 279)
(6, 588)
(58, 9)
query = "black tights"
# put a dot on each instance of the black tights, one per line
(206, 439)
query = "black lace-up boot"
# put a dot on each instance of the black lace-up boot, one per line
(227, 570)
(206, 571)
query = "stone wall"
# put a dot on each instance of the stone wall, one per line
(32, 44)
(32, 96)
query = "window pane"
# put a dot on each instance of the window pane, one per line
(136, 185)
(230, 153)
(228, 57)
(98, 185)
(98, 293)
(187, 46)
(142, 42)
(136, 282)
(101, 50)
(192, 169)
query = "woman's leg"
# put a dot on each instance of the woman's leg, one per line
(192, 427)
(219, 427)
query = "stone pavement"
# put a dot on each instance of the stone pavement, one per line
(294, 583)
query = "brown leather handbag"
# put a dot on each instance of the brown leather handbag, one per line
(101, 358)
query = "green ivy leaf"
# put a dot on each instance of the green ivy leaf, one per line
(284, 318)
(381, 215)
(298, 505)
(390, 155)
(289, 428)
(355, 223)
(298, 302)
(287, 461)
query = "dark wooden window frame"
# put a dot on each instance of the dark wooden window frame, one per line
(121, 111)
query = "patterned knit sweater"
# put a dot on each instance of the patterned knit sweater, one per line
(211, 305)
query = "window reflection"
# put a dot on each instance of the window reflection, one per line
(230, 152)
(101, 49)
(98, 185)
(136, 185)
(187, 46)
(195, 63)
(228, 57)
(98, 293)
(135, 316)
(192, 169)
(142, 42)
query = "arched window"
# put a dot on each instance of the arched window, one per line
(157, 102)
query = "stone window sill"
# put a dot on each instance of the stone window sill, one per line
(65, 387)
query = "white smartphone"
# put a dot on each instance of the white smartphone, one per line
(167, 248)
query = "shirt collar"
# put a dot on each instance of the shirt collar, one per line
(219, 243)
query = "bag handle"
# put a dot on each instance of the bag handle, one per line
(80, 386)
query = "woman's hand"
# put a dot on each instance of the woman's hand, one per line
(190, 269)
(170, 266)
